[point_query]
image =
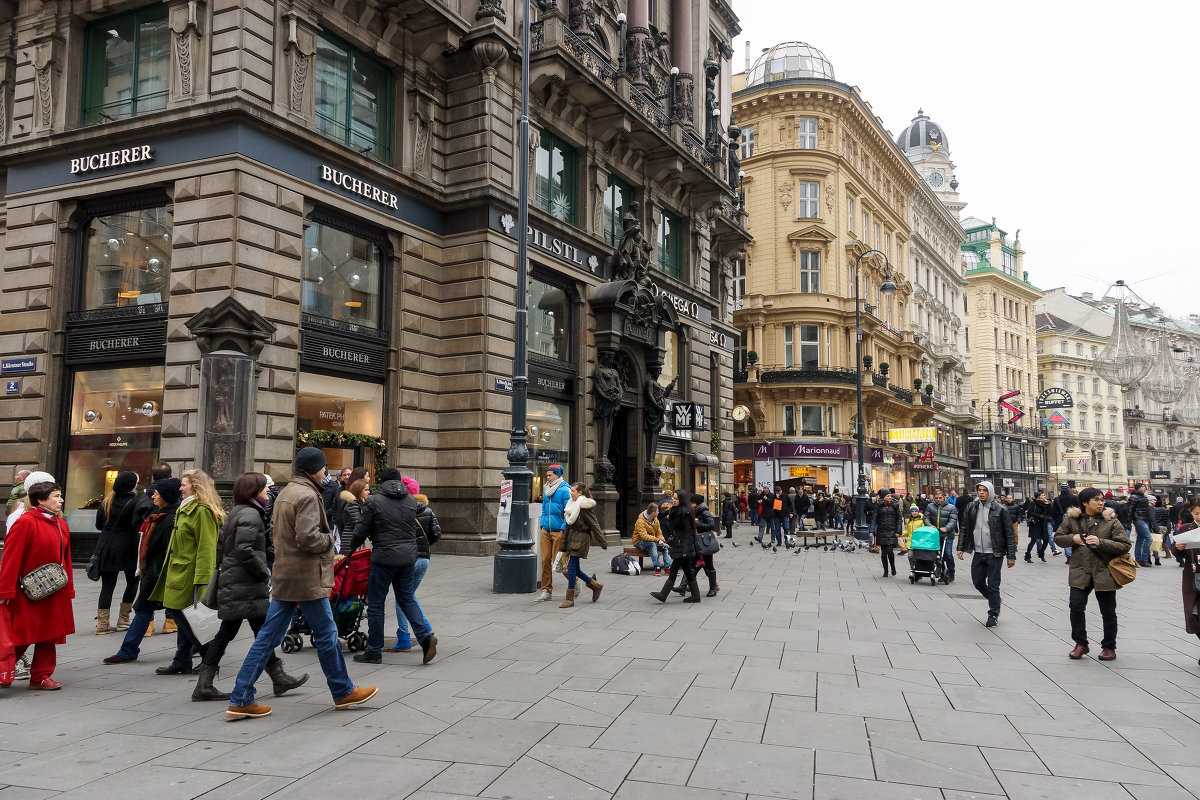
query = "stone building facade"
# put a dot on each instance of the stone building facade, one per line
(226, 224)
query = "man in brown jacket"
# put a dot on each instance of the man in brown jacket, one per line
(302, 577)
(1095, 537)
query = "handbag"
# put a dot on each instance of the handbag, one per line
(210, 592)
(41, 582)
(1123, 569)
(707, 544)
(93, 568)
(203, 621)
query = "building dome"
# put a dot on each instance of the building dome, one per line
(922, 135)
(789, 60)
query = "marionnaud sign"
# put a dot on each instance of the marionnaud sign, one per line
(1055, 398)
(111, 159)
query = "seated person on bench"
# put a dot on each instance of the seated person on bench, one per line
(647, 537)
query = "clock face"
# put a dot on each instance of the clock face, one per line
(935, 179)
(739, 413)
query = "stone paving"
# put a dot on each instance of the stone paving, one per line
(809, 677)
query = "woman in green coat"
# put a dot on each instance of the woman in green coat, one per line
(582, 529)
(1095, 537)
(190, 561)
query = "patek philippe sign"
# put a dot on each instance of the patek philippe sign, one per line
(1055, 398)
(112, 159)
(550, 243)
(688, 417)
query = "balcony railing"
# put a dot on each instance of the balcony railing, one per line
(900, 393)
(741, 376)
(1133, 413)
(879, 380)
(842, 375)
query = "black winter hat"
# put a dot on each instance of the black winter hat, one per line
(390, 474)
(310, 460)
(125, 483)
(168, 490)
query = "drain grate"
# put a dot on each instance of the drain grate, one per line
(967, 596)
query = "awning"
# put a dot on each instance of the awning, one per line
(705, 460)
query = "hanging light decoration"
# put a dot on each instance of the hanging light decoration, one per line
(1188, 407)
(1165, 382)
(1123, 360)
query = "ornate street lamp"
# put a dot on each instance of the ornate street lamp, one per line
(887, 289)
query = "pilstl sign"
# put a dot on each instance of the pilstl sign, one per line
(902, 435)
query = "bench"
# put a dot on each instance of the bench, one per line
(635, 553)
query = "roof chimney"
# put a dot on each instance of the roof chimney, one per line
(747, 55)
(1086, 297)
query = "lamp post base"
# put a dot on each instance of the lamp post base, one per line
(515, 571)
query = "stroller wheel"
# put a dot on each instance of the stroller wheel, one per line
(292, 644)
(357, 641)
(912, 578)
(351, 643)
(932, 581)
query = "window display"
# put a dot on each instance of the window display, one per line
(336, 404)
(549, 320)
(549, 440)
(128, 258)
(343, 276)
(116, 419)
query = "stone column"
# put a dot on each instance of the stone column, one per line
(681, 56)
(582, 18)
(637, 55)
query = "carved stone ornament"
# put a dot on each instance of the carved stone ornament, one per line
(785, 195)
(582, 18)
(301, 47)
(185, 38)
(607, 391)
(685, 107)
(490, 54)
(634, 251)
(637, 56)
(44, 67)
(491, 9)
(422, 118)
(229, 325)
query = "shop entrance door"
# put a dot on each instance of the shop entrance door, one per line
(624, 461)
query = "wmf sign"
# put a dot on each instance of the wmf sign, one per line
(688, 417)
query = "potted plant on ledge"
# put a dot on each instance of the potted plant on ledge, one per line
(867, 362)
(917, 383)
(751, 357)
(883, 369)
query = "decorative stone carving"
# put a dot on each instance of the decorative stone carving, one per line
(785, 194)
(582, 18)
(185, 39)
(491, 9)
(422, 120)
(735, 153)
(685, 109)
(632, 261)
(712, 69)
(654, 414)
(637, 56)
(607, 390)
(300, 48)
(490, 54)
(6, 92)
(45, 68)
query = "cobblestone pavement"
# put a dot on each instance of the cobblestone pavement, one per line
(809, 676)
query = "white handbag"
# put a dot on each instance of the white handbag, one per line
(203, 620)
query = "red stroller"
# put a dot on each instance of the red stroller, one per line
(348, 601)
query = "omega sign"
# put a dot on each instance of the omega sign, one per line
(111, 159)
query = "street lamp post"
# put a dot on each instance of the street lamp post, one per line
(887, 289)
(514, 570)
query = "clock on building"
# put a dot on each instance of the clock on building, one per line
(740, 413)
(935, 179)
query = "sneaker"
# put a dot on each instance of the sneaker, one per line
(658, 572)
(48, 684)
(543, 596)
(22, 669)
(991, 622)
(252, 710)
(361, 694)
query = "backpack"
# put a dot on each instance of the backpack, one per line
(625, 565)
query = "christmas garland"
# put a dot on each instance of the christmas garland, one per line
(343, 439)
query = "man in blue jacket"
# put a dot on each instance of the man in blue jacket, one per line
(555, 495)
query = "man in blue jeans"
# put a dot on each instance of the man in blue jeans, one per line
(1141, 516)
(389, 520)
(303, 568)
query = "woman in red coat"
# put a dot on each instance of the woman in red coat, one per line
(39, 536)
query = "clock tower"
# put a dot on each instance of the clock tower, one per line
(925, 144)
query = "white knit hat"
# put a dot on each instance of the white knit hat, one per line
(38, 477)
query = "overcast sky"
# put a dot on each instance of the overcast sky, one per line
(1073, 121)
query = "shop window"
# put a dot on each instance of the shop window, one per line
(116, 419)
(549, 321)
(353, 98)
(671, 477)
(670, 245)
(325, 403)
(549, 440)
(617, 198)
(127, 258)
(128, 63)
(343, 276)
(555, 184)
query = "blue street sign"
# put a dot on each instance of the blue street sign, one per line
(12, 387)
(20, 364)
(504, 384)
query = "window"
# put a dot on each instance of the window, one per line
(810, 347)
(849, 213)
(876, 244)
(342, 276)
(353, 98)
(1095, 386)
(1095, 351)
(672, 366)
(747, 141)
(128, 65)
(127, 258)
(1078, 384)
(670, 245)
(807, 197)
(887, 245)
(549, 329)
(549, 442)
(327, 403)
(1078, 349)
(1112, 392)
(865, 228)
(554, 178)
(789, 420)
(617, 198)
(739, 282)
(1062, 347)
(810, 272)
(812, 421)
(806, 133)
(1116, 465)
(1112, 423)
(787, 346)
(1098, 424)
(1066, 380)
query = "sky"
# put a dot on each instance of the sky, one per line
(1073, 121)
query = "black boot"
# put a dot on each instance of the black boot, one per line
(281, 682)
(204, 685)
(693, 593)
(712, 588)
(662, 594)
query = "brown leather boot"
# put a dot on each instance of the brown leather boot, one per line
(281, 682)
(169, 627)
(570, 601)
(150, 629)
(123, 617)
(662, 594)
(1079, 652)
(204, 685)
(596, 587)
(102, 625)
(693, 592)
(1107, 654)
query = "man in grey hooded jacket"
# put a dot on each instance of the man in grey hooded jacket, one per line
(987, 531)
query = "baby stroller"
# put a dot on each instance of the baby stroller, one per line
(925, 555)
(349, 603)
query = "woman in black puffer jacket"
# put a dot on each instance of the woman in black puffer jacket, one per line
(887, 528)
(679, 529)
(243, 584)
(117, 550)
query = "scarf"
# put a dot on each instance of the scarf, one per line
(551, 488)
(571, 512)
(144, 540)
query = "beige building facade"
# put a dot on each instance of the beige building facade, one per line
(229, 230)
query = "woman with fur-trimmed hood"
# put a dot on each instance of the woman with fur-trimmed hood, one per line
(582, 530)
(1095, 537)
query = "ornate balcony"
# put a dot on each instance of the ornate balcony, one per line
(842, 375)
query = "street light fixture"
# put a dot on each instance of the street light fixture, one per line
(887, 289)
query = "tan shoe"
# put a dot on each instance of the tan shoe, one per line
(252, 710)
(360, 695)
(123, 616)
(596, 587)
(150, 629)
(169, 626)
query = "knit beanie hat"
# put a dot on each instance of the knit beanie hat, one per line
(411, 484)
(168, 490)
(390, 474)
(126, 482)
(310, 460)
(37, 477)
(557, 469)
